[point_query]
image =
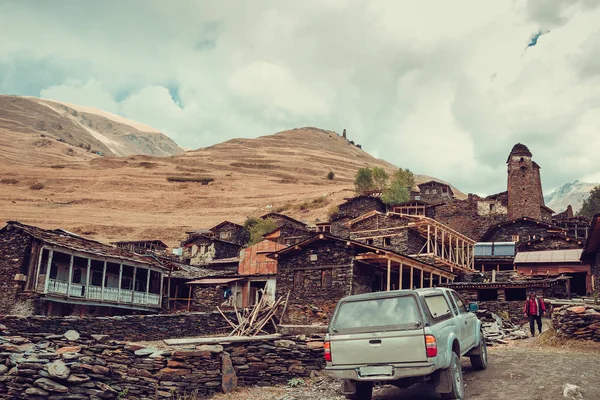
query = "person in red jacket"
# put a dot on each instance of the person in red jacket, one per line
(534, 310)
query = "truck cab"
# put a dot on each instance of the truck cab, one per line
(403, 337)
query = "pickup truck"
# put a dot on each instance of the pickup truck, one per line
(403, 337)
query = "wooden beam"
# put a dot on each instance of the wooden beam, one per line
(219, 340)
(411, 277)
(48, 266)
(431, 279)
(103, 280)
(70, 278)
(389, 274)
(400, 280)
(87, 277)
(428, 239)
(422, 273)
(435, 241)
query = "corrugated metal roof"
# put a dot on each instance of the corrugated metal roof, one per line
(550, 256)
(213, 281)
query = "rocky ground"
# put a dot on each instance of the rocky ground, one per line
(531, 369)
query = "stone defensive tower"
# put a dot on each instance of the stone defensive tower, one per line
(525, 197)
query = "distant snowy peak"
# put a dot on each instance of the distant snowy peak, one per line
(573, 193)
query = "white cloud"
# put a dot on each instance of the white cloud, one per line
(444, 88)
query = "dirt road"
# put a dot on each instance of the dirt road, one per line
(524, 370)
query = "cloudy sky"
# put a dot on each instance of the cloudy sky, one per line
(444, 88)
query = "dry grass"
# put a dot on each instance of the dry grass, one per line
(37, 186)
(9, 181)
(551, 339)
(202, 180)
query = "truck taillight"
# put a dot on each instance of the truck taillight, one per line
(430, 346)
(327, 347)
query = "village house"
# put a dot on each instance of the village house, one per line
(288, 235)
(229, 232)
(142, 246)
(282, 220)
(575, 226)
(591, 253)
(353, 208)
(60, 273)
(433, 192)
(319, 271)
(202, 249)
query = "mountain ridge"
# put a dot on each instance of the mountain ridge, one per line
(573, 193)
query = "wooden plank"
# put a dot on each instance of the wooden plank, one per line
(221, 339)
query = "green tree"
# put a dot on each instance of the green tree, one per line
(363, 181)
(380, 178)
(399, 189)
(591, 205)
(256, 228)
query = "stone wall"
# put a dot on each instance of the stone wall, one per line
(47, 366)
(579, 322)
(214, 250)
(14, 259)
(207, 299)
(469, 216)
(360, 205)
(129, 327)
(230, 232)
(524, 188)
(524, 229)
(551, 243)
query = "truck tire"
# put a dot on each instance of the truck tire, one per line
(479, 362)
(364, 391)
(456, 377)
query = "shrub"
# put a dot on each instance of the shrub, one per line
(202, 180)
(57, 166)
(9, 181)
(37, 186)
(333, 212)
(148, 165)
(331, 175)
(70, 152)
(256, 228)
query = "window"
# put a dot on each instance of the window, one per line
(487, 295)
(438, 306)
(387, 241)
(369, 242)
(459, 303)
(298, 279)
(225, 235)
(433, 191)
(97, 278)
(492, 207)
(373, 315)
(76, 275)
(515, 294)
(515, 238)
(326, 278)
(313, 257)
(427, 191)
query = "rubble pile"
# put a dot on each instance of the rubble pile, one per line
(578, 322)
(497, 330)
(83, 366)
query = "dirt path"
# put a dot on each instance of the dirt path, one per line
(524, 370)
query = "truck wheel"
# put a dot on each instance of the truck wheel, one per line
(364, 391)
(456, 377)
(479, 362)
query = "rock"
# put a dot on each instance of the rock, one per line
(228, 377)
(105, 388)
(145, 351)
(100, 338)
(215, 348)
(315, 345)
(58, 369)
(577, 309)
(32, 391)
(71, 335)
(78, 378)
(286, 344)
(50, 385)
(3, 369)
(71, 356)
(72, 349)
(572, 392)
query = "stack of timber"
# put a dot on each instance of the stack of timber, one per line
(497, 330)
(254, 321)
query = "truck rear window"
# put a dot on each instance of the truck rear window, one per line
(377, 313)
(438, 306)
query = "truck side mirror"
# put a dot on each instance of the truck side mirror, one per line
(473, 307)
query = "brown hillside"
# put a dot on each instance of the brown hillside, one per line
(83, 127)
(110, 198)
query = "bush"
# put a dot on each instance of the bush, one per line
(333, 212)
(330, 176)
(9, 181)
(256, 228)
(57, 166)
(202, 180)
(37, 186)
(148, 165)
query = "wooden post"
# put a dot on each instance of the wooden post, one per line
(120, 282)
(411, 277)
(38, 268)
(422, 277)
(428, 239)
(160, 297)
(148, 272)
(48, 266)
(87, 278)
(457, 252)
(443, 245)
(435, 244)
(103, 280)
(389, 274)
(70, 278)
(133, 283)
(189, 298)
(431, 279)
(463, 252)
(400, 280)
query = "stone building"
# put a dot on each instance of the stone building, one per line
(575, 226)
(591, 253)
(142, 246)
(288, 235)
(434, 192)
(55, 272)
(283, 220)
(525, 196)
(522, 230)
(353, 208)
(321, 270)
(205, 250)
(229, 232)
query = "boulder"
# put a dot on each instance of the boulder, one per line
(58, 369)
(33, 391)
(228, 377)
(572, 392)
(50, 385)
(71, 335)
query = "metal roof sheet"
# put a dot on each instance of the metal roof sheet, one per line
(550, 256)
